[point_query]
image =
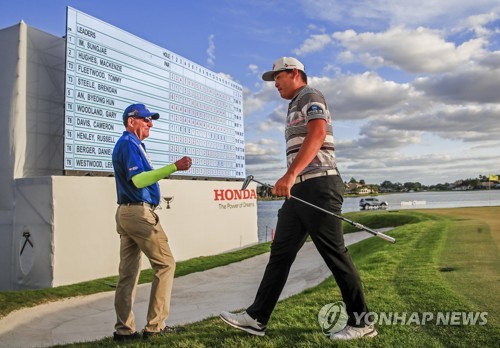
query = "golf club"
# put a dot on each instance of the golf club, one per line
(250, 178)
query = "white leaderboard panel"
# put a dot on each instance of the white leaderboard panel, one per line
(107, 69)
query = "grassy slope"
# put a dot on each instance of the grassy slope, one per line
(469, 260)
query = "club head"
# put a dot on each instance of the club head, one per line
(246, 182)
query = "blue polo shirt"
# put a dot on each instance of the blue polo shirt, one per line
(129, 159)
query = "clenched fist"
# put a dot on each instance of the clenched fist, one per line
(184, 163)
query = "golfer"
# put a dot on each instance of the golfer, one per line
(139, 227)
(312, 175)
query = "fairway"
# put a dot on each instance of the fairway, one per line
(469, 259)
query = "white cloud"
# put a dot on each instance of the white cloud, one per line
(263, 147)
(275, 121)
(362, 96)
(265, 152)
(474, 84)
(491, 60)
(479, 22)
(380, 137)
(256, 102)
(418, 50)
(381, 14)
(269, 142)
(312, 44)
(315, 28)
(254, 69)
(211, 50)
(226, 76)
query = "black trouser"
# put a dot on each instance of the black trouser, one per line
(295, 221)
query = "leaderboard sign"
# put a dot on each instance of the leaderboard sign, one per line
(107, 69)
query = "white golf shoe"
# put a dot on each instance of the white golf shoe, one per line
(352, 333)
(244, 322)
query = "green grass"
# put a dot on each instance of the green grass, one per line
(406, 277)
(470, 263)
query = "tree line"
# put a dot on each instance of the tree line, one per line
(463, 184)
(388, 186)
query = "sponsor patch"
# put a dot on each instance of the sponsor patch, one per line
(133, 168)
(315, 110)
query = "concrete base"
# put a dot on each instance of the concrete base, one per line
(63, 228)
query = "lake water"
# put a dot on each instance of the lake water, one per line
(267, 210)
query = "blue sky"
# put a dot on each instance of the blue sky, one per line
(413, 86)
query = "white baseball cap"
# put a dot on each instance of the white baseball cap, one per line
(284, 63)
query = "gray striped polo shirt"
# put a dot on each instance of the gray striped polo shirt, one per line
(309, 104)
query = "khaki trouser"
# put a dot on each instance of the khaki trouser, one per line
(140, 231)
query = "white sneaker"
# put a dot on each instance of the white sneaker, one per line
(244, 322)
(352, 333)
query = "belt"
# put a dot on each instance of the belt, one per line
(152, 206)
(302, 178)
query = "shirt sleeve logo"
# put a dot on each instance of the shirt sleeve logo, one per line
(315, 110)
(133, 168)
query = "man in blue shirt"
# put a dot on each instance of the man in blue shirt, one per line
(137, 223)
